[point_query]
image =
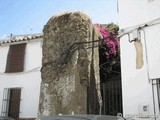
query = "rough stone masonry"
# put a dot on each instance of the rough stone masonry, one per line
(70, 66)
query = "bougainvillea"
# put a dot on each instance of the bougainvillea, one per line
(110, 41)
(109, 47)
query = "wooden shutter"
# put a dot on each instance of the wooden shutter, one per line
(15, 59)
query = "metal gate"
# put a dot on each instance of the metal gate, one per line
(11, 102)
(112, 96)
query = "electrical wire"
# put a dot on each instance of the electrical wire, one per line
(20, 73)
(141, 26)
(68, 53)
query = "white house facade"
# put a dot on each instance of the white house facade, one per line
(139, 21)
(20, 77)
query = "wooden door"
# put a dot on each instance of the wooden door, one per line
(14, 103)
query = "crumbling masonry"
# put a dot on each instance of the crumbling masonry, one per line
(70, 66)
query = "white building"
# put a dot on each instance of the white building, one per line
(140, 60)
(20, 77)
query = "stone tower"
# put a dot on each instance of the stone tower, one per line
(70, 66)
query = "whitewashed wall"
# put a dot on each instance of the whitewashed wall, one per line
(137, 90)
(29, 80)
(133, 12)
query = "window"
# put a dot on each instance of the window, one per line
(11, 102)
(15, 59)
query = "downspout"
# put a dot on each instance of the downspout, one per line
(154, 107)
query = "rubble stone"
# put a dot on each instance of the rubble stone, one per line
(70, 66)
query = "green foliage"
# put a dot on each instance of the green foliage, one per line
(113, 27)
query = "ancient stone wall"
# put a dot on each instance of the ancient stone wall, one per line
(70, 66)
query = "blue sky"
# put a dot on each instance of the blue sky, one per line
(29, 16)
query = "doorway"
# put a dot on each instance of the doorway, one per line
(11, 102)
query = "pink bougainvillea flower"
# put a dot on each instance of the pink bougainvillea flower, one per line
(110, 41)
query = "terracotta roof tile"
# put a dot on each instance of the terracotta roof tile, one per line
(21, 38)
